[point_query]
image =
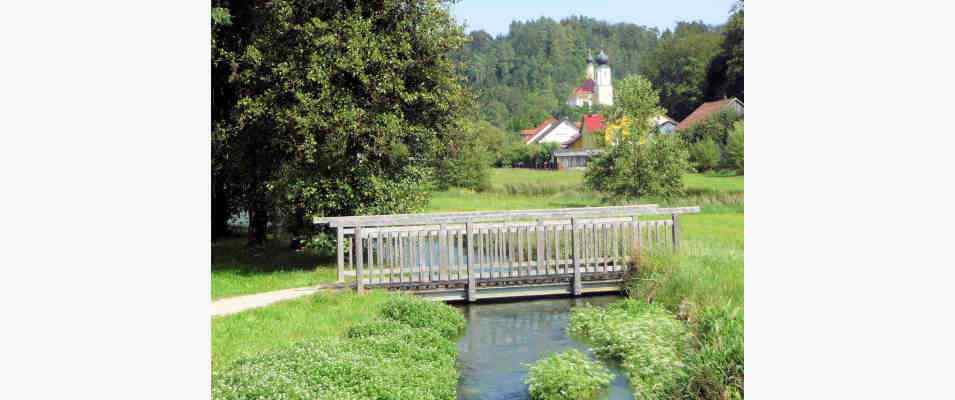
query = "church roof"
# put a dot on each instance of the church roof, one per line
(586, 87)
(602, 58)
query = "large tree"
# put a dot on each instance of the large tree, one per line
(725, 72)
(678, 66)
(337, 107)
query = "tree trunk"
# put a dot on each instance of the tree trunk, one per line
(258, 222)
(220, 211)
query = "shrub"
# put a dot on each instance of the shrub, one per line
(420, 313)
(734, 147)
(705, 155)
(375, 328)
(647, 340)
(405, 364)
(631, 169)
(407, 353)
(567, 376)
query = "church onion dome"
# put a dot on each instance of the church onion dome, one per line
(590, 58)
(602, 58)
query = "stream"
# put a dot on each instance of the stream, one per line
(503, 338)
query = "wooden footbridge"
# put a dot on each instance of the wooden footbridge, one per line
(497, 254)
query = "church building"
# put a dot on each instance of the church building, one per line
(597, 89)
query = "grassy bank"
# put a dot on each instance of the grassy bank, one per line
(238, 270)
(339, 346)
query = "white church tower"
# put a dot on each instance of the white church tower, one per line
(603, 90)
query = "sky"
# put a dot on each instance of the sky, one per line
(494, 16)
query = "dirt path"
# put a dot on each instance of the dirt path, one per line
(232, 305)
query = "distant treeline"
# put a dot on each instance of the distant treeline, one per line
(524, 76)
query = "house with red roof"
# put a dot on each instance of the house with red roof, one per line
(589, 124)
(708, 109)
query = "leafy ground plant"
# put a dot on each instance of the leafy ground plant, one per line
(647, 340)
(567, 376)
(398, 355)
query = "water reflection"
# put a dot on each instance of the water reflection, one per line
(502, 337)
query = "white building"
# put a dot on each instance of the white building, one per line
(597, 89)
(552, 131)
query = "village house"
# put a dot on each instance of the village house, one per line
(709, 108)
(576, 140)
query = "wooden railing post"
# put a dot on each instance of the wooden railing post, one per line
(443, 253)
(578, 285)
(676, 231)
(359, 264)
(472, 280)
(341, 254)
(540, 246)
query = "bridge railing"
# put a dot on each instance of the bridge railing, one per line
(492, 248)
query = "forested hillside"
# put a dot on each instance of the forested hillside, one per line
(524, 76)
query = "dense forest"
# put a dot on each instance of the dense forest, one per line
(524, 76)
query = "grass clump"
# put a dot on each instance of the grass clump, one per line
(407, 351)
(647, 340)
(567, 376)
(716, 362)
(420, 313)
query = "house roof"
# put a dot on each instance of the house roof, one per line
(589, 124)
(551, 125)
(593, 122)
(704, 111)
(530, 133)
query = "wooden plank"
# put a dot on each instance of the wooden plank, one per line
(472, 282)
(527, 244)
(676, 231)
(420, 259)
(565, 213)
(443, 272)
(351, 253)
(381, 258)
(340, 245)
(575, 255)
(479, 216)
(540, 247)
(613, 245)
(462, 252)
(482, 253)
(360, 278)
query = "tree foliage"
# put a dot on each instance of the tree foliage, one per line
(334, 107)
(678, 64)
(705, 155)
(734, 147)
(527, 74)
(725, 72)
(636, 103)
(634, 170)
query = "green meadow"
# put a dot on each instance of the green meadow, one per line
(237, 270)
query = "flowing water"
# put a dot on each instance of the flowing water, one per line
(503, 338)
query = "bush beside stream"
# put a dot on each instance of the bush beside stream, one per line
(409, 352)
